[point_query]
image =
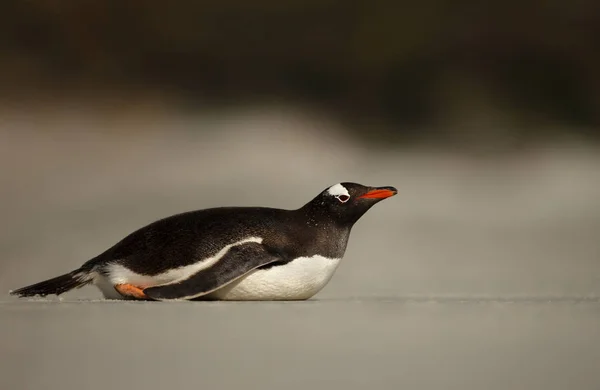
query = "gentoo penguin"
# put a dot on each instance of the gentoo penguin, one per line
(228, 253)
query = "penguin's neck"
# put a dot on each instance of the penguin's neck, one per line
(313, 214)
(325, 234)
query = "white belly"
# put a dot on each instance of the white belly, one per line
(297, 280)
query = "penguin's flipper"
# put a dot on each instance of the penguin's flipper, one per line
(235, 263)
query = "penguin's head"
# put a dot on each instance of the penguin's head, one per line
(347, 202)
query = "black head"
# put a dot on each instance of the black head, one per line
(346, 202)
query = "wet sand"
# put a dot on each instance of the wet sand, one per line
(347, 344)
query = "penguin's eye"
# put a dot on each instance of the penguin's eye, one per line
(343, 198)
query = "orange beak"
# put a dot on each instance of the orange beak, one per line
(380, 193)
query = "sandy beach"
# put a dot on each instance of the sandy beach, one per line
(483, 273)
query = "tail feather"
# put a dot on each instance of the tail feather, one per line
(58, 285)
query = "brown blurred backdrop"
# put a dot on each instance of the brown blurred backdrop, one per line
(117, 113)
(492, 74)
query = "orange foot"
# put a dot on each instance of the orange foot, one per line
(129, 290)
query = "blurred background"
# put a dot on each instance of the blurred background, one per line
(483, 114)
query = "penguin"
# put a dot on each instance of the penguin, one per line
(227, 253)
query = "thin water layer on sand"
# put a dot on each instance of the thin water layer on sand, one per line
(381, 342)
(434, 298)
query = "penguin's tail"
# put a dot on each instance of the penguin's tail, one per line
(58, 285)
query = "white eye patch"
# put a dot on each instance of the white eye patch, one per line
(340, 192)
(337, 190)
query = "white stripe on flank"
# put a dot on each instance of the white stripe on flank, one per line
(118, 274)
(299, 279)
